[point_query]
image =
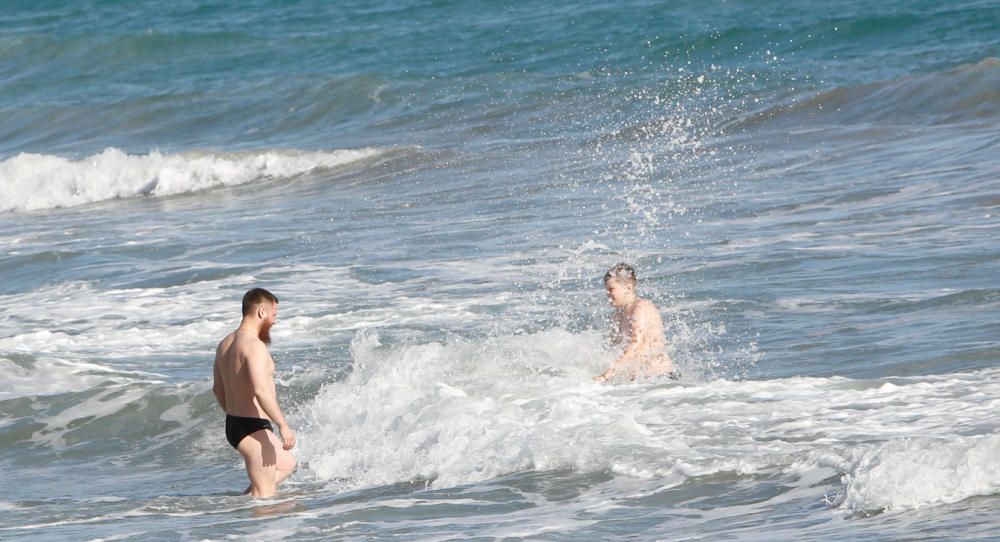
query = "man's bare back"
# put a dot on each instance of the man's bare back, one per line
(232, 358)
(244, 387)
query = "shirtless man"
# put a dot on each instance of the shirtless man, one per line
(636, 322)
(244, 387)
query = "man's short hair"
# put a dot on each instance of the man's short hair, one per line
(621, 271)
(255, 297)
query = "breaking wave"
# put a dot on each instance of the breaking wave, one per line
(38, 181)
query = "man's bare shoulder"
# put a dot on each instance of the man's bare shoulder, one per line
(644, 306)
(645, 311)
(225, 343)
(647, 303)
(241, 345)
(250, 346)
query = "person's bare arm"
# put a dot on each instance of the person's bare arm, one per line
(218, 387)
(259, 365)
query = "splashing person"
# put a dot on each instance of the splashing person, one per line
(637, 323)
(244, 387)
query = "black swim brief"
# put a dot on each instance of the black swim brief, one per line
(238, 427)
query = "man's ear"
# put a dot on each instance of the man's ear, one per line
(260, 311)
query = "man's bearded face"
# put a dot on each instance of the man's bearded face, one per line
(265, 326)
(265, 331)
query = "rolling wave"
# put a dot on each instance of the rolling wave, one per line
(967, 93)
(38, 181)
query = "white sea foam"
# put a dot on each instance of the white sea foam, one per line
(463, 412)
(49, 376)
(77, 319)
(38, 181)
(455, 413)
(81, 320)
(911, 473)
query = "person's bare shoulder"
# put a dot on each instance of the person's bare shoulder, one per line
(645, 306)
(645, 313)
(253, 348)
(224, 344)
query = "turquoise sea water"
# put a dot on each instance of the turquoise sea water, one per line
(434, 189)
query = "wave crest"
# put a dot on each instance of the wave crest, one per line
(38, 181)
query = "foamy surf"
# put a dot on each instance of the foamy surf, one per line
(460, 412)
(453, 413)
(49, 376)
(39, 181)
(917, 472)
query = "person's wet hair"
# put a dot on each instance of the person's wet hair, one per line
(621, 271)
(255, 297)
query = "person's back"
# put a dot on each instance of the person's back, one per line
(233, 354)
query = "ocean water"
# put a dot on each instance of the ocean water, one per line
(810, 193)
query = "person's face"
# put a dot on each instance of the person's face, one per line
(268, 313)
(620, 292)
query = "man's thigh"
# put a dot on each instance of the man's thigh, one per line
(259, 454)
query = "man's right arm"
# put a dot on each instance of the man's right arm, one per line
(263, 389)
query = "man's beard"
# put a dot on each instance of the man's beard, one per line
(265, 333)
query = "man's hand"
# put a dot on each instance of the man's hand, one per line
(287, 437)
